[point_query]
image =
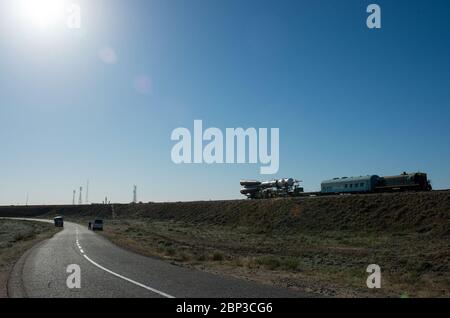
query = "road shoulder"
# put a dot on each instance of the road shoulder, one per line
(17, 238)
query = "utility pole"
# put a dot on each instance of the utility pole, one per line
(135, 194)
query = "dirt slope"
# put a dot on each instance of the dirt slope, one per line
(419, 212)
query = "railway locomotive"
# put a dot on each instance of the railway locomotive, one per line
(413, 181)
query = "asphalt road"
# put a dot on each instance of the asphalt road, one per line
(110, 271)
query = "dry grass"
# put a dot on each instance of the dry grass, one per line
(15, 238)
(330, 263)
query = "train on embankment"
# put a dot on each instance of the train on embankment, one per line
(417, 181)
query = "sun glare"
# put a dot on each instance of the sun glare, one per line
(41, 13)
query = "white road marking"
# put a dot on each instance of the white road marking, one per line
(120, 276)
(127, 279)
(78, 242)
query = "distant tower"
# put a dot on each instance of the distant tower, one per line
(73, 198)
(80, 200)
(87, 192)
(135, 194)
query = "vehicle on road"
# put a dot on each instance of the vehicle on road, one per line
(59, 221)
(97, 225)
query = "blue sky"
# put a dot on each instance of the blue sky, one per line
(348, 100)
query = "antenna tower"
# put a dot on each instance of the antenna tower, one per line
(80, 200)
(135, 194)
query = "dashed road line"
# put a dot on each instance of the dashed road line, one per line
(118, 275)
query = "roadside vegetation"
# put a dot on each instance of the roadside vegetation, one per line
(16, 237)
(327, 263)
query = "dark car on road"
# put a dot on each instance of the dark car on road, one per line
(59, 221)
(96, 225)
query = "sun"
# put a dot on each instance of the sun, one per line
(41, 13)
